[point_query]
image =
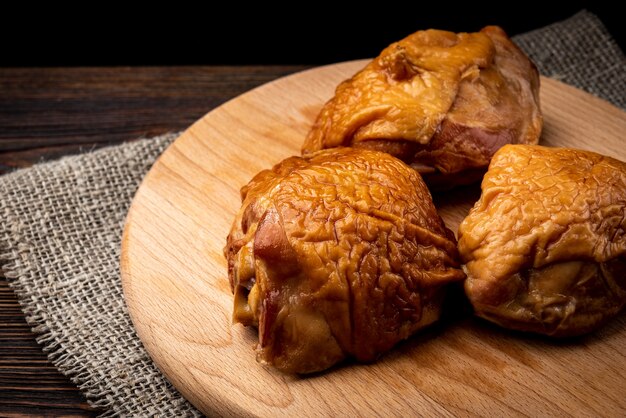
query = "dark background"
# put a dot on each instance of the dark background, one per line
(211, 33)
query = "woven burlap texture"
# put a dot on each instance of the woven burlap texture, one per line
(62, 223)
(580, 51)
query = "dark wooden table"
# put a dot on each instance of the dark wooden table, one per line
(46, 113)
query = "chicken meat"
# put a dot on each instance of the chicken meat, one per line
(440, 101)
(337, 254)
(545, 245)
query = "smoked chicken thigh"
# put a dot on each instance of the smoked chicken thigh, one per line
(545, 245)
(339, 253)
(440, 101)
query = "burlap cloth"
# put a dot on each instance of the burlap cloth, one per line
(62, 222)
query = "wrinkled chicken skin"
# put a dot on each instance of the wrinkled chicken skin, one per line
(441, 102)
(545, 246)
(335, 254)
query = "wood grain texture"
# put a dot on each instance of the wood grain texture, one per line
(174, 277)
(29, 384)
(46, 113)
(49, 112)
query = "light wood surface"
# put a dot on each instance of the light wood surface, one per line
(176, 287)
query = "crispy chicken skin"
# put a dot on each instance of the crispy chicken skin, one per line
(441, 102)
(339, 253)
(545, 246)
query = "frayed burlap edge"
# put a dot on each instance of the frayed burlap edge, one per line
(59, 249)
(97, 188)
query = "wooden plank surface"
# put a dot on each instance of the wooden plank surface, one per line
(46, 113)
(174, 277)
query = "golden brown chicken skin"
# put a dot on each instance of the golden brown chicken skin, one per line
(339, 253)
(545, 246)
(440, 101)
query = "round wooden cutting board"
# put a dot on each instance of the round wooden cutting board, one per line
(176, 286)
